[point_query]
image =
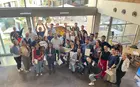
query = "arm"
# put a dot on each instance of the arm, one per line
(46, 25)
(44, 28)
(36, 28)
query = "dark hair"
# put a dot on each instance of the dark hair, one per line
(97, 33)
(100, 44)
(104, 36)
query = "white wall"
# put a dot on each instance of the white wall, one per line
(106, 7)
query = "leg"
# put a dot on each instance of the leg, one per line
(18, 61)
(92, 79)
(37, 67)
(40, 66)
(25, 62)
(119, 76)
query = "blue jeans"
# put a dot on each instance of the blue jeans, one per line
(39, 67)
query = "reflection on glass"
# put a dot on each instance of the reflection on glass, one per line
(70, 20)
(6, 28)
(11, 3)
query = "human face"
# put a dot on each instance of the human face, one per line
(97, 43)
(76, 24)
(103, 38)
(86, 41)
(124, 56)
(82, 27)
(105, 48)
(27, 34)
(113, 52)
(88, 60)
(50, 45)
(14, 28)
(51, 25)
(55, 36)
(16, 42)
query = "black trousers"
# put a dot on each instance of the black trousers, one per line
(18, 61)
(119, 75)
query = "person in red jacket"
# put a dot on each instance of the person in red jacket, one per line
(37, 58)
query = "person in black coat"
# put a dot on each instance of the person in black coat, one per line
(93, 69)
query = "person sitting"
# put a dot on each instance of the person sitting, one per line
(93, 70)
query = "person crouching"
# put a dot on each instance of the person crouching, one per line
(93, 69)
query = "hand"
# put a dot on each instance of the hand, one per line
(33, 61)
(110, 69)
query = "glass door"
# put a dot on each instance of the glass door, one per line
(6, 27)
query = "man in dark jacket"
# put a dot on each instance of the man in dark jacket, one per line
(93, 69)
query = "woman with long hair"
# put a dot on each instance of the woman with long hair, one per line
(37, 58)
(50, 57)
(96, 50)
(103, 60)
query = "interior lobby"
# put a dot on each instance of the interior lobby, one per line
(118, 20)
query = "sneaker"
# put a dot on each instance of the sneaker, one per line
(41, 74)
(37, 75)
(26, 71)
(19, 70)
(91, 84)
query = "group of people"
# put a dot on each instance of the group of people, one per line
(86, 52)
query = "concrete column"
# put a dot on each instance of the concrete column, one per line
(137, 37)
(96, 23)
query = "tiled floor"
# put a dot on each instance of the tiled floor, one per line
(9, 77)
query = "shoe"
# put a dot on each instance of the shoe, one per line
(94, 80)
(26, 71)
(41, 74)
(37, 75)
(19, 70)
(29, 69)
(91, 84)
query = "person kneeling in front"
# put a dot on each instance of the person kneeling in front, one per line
(93, 69)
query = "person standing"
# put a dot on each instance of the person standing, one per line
(25, 53)
(51, 28)
(96, 50)
(103, 60)
(104, 43)
(31, 34)
(50, 57)
(112, 63)
(27, 40)
(39, 30)
(37, 58)
(122, 68)
(15, 51)
(56, 44)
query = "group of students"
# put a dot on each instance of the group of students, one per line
(37, 47)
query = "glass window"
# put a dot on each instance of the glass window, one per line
(11, 3)
(6, 28)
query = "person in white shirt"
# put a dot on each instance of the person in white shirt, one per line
(122, 69)
(56, 44)
(31, 34)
